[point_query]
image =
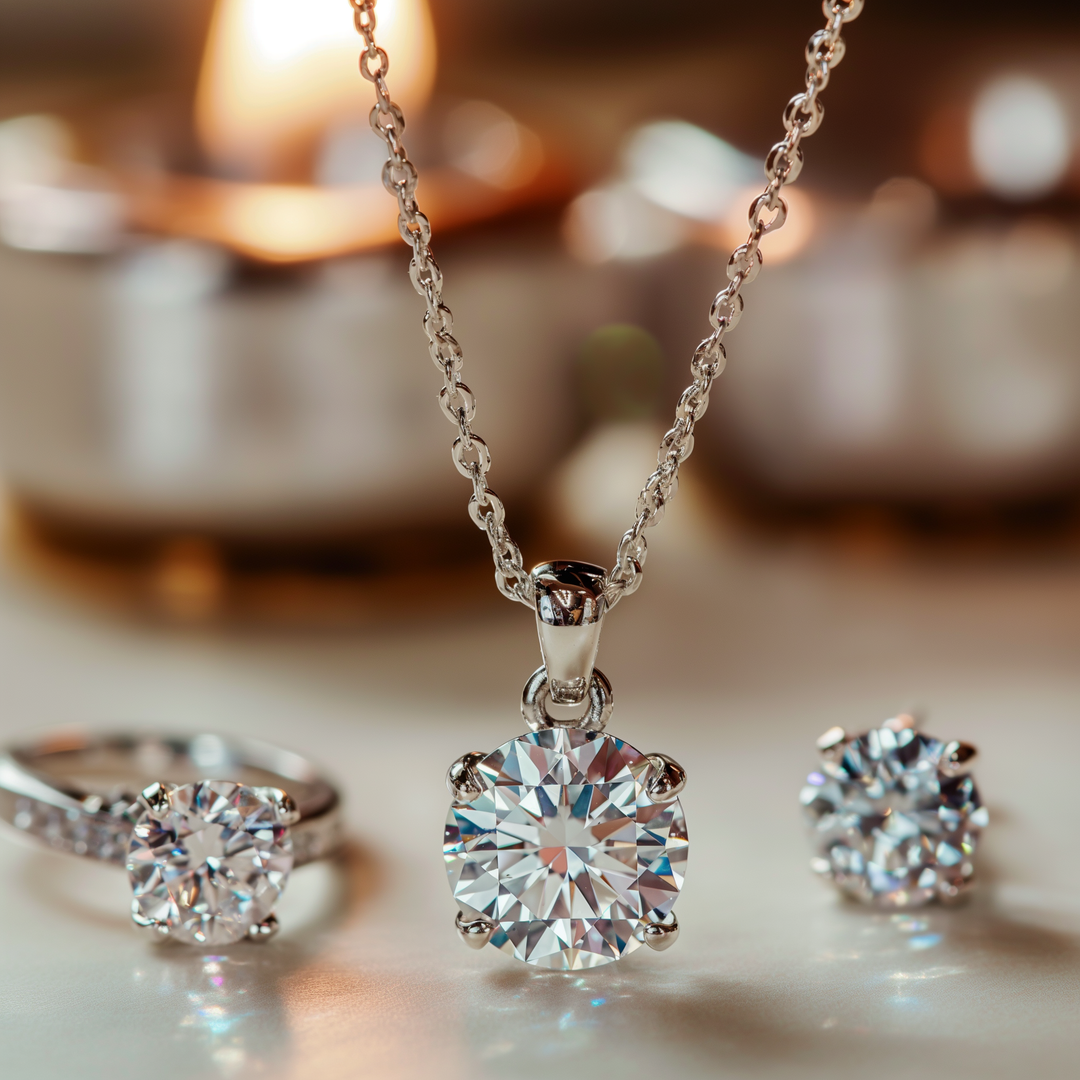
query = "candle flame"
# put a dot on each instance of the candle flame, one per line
(277, 73)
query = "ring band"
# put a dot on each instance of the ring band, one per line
(137, 800)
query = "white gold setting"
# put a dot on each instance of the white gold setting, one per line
(566, 847)
(530, 840)
(564, 861)
(894, 815)
(207, 859)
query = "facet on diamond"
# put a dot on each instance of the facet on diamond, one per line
(213, 864)
(564, 850)
(889, 827)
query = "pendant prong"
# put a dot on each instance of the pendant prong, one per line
(462, 777)
(957, 759)
(667, 778)
(476, 933)
(662, 935)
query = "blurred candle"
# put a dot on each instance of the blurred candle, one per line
(277, 73)
(162, 386)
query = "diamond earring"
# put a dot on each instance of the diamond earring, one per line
(894, 815)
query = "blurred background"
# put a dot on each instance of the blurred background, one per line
(214, 400)
(229, 504)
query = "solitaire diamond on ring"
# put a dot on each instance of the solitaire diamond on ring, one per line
(207, 858)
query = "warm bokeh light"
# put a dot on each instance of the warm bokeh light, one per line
(944, 151)
(286, 222)
(277, 223)
(686, 169)
(674, 175)
(783, 244)
(905, 205)
(486, 142)
(277, 73)
(617, 222)
(1020, 138)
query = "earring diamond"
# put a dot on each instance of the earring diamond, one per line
(894, 815)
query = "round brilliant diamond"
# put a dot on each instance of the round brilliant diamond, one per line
(888, 826)
(211, 865)
(564, 850)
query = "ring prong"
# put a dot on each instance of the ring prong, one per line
(476, 933)
(462, 777)
(156, 797)
(662, 935)
(955, 892)
(265, 930)
(957, 758)
(287, 810)
(667, 778)
(145, 923)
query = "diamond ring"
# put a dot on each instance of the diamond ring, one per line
(207, 858)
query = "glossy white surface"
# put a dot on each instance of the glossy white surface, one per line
(734, 674)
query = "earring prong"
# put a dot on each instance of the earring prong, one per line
(830, 745)
(903, 722)
(957, 758)
(283, 803)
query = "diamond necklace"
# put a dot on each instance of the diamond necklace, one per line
(566, 847)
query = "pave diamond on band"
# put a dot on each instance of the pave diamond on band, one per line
(207, 858)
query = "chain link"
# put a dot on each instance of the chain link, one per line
(470, 453)
(802, 116)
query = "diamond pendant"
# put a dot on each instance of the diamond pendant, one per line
(566, 847)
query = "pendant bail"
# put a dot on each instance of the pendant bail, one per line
(570, 607)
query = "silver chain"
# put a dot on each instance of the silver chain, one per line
(802, 117)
